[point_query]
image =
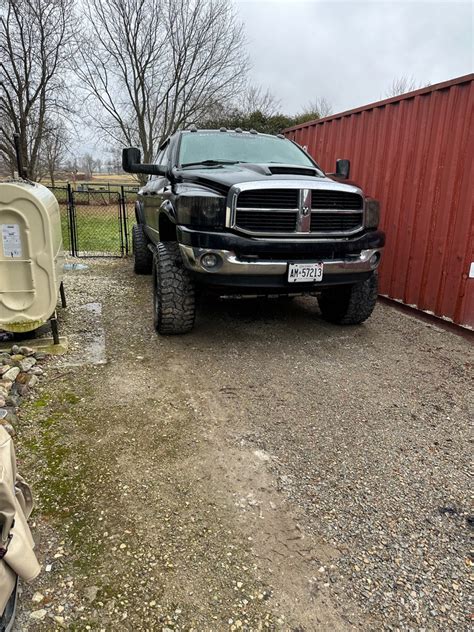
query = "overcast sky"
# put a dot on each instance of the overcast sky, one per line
(350, 52)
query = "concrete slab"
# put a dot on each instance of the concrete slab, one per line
(41, 344)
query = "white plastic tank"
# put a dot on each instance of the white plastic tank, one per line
(31, 255)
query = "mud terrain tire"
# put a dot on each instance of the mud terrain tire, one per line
(143, 258)
(349, 304)
(174, 297)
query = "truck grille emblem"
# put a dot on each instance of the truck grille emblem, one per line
(304, 211)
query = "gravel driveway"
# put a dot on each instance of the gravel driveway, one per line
(267, 471)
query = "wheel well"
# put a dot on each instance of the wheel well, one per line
(167, 229)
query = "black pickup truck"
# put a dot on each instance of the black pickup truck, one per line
(248, 213)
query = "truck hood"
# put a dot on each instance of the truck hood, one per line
(223, 177)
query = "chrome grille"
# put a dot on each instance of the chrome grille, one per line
(267, 221)
(285, 212)
(269, 198)
(340, 200)
(334, 222)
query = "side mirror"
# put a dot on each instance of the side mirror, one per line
(131, 158)
(343, 168)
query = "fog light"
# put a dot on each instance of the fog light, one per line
(210, 260)
(374, 259)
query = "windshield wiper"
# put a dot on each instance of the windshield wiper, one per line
(210, 163)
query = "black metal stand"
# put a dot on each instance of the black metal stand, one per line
(54, 328)
(63, 295)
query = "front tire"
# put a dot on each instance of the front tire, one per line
(143, 258)
(349, 304)
(174, 296)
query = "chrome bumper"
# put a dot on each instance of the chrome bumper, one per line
(230, 264)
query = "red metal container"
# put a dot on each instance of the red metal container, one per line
(414, 153)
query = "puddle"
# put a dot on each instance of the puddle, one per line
(88, 347)
(75, 266)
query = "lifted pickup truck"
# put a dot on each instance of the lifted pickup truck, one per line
(249, 213)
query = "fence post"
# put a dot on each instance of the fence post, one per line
(72, 220)
(120, 218)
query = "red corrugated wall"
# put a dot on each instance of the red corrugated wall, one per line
(415, 153)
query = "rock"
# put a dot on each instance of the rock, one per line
(22, 378)
(15, 349)
(27, 364)
(10, 417)
(40, 355)
(22, 389)
(4, 368)
(12, 400)
(11, 374)
(38, 615)
(3, 413)
(5, 387)
(27, 351)
(2, 402)
(36, 370)
(16, 359)
(37, 597)
(4, 356)
(91, 593)
(33, 381)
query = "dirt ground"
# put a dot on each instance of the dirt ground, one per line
(267, 471)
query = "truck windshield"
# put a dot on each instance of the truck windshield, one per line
(215, 148)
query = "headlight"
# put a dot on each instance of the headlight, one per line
(199, 210)
(372, 213)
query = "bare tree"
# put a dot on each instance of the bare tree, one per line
(256, 99)
(252, 100)
(114, 163)
(401, 85)
(316, 109)
(155, 65)
(320, 105)
(34, 47)
(54, 148)
(71, 167)
(88, 164)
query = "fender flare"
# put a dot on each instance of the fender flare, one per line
(168, 210)
(168, 229)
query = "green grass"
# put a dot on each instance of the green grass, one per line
(96, 231)
(97, 220)
(65, 229)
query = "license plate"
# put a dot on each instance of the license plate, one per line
(305, 272)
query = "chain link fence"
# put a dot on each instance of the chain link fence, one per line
(96, 219)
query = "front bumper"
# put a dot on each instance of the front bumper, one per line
(230, 264)
(262, 264)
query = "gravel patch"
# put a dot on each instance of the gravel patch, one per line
(267, 471)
